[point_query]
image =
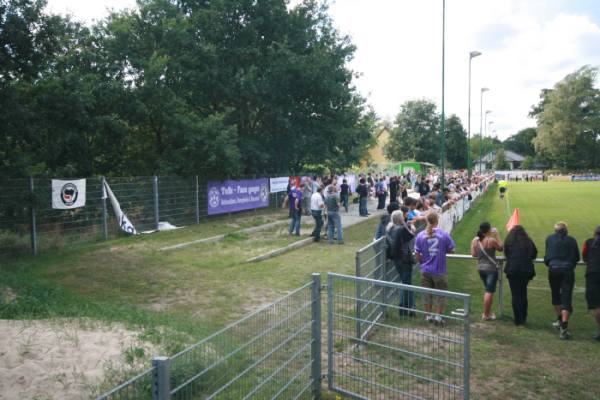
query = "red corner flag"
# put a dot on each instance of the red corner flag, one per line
(514, 220)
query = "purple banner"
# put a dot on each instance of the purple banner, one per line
(230, 196)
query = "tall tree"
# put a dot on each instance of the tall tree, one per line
(456, 142)
(500, 160)
(569, 121)
(522, 142)
(414, 135)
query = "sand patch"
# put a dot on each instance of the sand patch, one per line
(64, 359)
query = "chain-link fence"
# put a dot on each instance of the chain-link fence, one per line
(415, 349)
(29, 223)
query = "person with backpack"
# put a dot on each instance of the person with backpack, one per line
(398, 237)
(520, 251)
(385, 220)
(591, 256)
(483, 248)
(363, 194)
(562, 255)
(431, 247)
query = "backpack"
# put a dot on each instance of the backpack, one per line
(388, 244)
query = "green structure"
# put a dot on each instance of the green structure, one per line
(404, 167)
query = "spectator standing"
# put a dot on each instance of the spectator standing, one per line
(431, 247)
(345, 193)
(591, 256)
(363, 194)
(334, 223)
(483, 248)
(399, 237)
(385, 220)
(316, 209)
(562, 255)
(307, 193)
(381, 193)
(520, 251)
(294, 199)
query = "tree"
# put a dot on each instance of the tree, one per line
(522, 142)
(456, 142)
(527, 163)
(500, 161)
(415, 134)
(569, 121)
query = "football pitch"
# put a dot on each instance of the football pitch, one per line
(177, 298)
(531, 362)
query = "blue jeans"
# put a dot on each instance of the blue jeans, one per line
(344, 198)
(362, 206)
(318, 216)
(334, 223)
(489, 279)
(295, 223)
(407, 297)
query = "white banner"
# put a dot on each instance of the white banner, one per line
(124, 223)
(279, 184)
(68, 194)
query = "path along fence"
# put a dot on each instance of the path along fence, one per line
(28, 222)
(275, 353)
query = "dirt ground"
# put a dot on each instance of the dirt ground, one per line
(63, 359)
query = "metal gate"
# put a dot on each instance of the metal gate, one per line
(382, 344)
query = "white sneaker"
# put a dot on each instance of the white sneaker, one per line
(556, 324)
(429, 318)
(438, 320)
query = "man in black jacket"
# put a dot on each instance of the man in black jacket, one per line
(562, 255)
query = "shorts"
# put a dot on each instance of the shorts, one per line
(489, 279)
(439, 282)
(502, 189)
(592, 291)
(561, 285)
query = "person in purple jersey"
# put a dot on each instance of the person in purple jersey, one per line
(294, 200)
(431, 247)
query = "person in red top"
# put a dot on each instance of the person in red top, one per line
(591, 256)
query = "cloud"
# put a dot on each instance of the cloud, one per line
(526, 46)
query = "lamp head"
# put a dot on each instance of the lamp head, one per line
(484, 89)
(474, 54)
(488, 112)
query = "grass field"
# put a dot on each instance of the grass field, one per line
(196, 290)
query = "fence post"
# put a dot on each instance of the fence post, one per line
(197, 202)
(33, 227)
(155, 190)
(104, 213)
(358, 274)
(380, 266)
(467, 348)
(329, 331)
(500, 288)
(316, 335)
(161, 378)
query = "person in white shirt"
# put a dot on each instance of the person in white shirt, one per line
(316, 209)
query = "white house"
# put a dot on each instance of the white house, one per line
(513, 159)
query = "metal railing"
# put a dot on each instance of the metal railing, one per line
(408, 352)
(273, 353)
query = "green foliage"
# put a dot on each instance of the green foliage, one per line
(500, 160)
(527, 163)
(178, 87)
(456, 143)
(415, 133)
(522, 142)
(568, 118)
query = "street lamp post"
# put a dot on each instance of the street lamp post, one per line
(443, 117)
(485, 124)
(491, 148)
(472, 55)
(483, 89)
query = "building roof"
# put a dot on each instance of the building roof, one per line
(510, 156)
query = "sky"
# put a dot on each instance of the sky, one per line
(526, 46)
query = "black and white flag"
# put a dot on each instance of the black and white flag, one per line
(124, 222)
(68, 194)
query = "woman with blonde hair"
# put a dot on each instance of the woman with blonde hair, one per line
(431, 247)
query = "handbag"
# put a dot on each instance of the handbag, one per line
(487, 255)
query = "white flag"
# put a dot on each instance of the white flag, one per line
(68, 194)
(124, 222)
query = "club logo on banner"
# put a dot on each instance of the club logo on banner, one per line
(68, 194)
(231, 196)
